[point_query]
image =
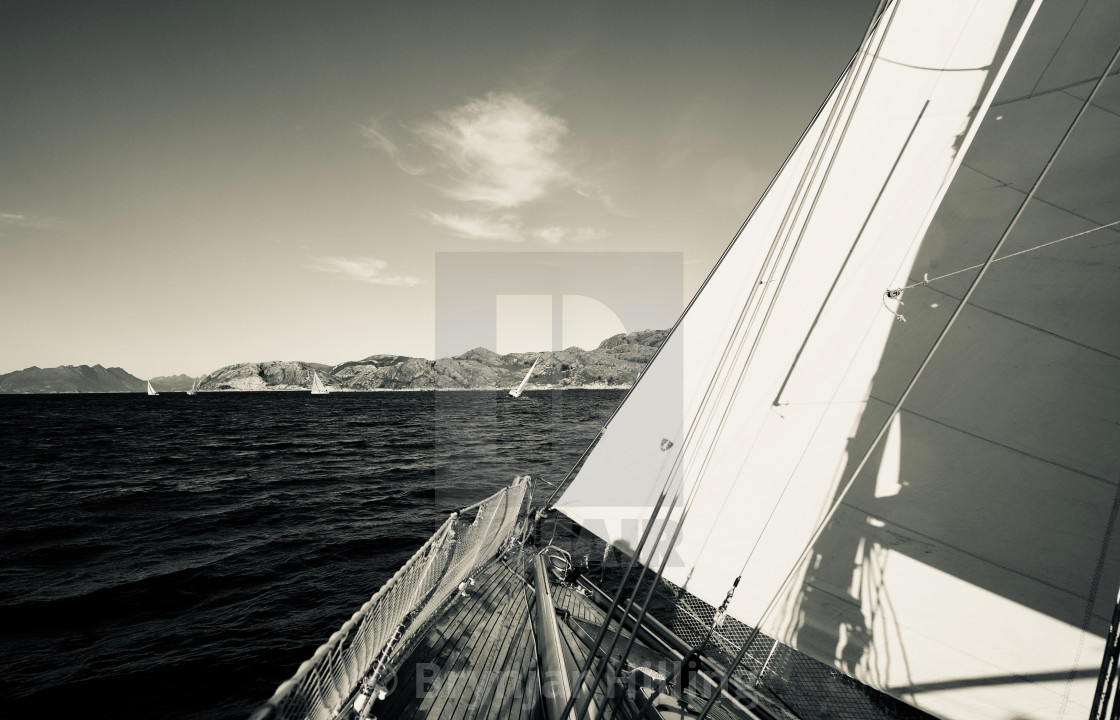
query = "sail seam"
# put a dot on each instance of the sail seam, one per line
(1036, 198)
(1061, 45)
(962, 551)
(1036, 328)
(1060, 88)
(1005, 446)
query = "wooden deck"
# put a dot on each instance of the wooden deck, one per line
(479, 659)
(476, 660)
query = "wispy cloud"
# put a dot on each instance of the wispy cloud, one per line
(480, 227)
(369, 270)
(29, 221)
(555, 235)
(497, 156)
(502, 151)
(376, 138)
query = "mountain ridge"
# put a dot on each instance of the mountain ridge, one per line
(615, 363)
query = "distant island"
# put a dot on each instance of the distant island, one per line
(616, 363)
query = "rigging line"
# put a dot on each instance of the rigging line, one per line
(841, 107)
(1106, 680)
(1102, 108)
(804, 452)
(1043, 201)
(1060, 88)
(1061, 45)
(711, 273)
(1092, 600)
(928, 280)
(616, 602)
(607, 665)
(848, 257)
(585, 702)
(702, 420)
(929, 355)
(708, 394)
(823, 142)
(837, 110)
(936, 69)
(845, 78)
(1036, 328)
(758, 334)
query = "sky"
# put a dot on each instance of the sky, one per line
(184, 186)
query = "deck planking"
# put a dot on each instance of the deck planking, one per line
(476, 646)
(483, 649)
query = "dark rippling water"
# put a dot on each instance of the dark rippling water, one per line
(178, 557)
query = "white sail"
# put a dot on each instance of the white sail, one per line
(194, 388)
(151, 390)
(317, 385)
(932, 517)
(516, 392)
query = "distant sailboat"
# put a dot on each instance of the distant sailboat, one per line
(516, 392)
(194, 388)
(317, 385)
(151, 390)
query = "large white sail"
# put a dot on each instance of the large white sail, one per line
(317, 385)
(934, 517)
(151, 390)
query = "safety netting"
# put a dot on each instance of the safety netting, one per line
(787, 683)
(389, 624)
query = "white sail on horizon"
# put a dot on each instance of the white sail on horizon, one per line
(516, 392)
(151, 390)
(959, 551)
(317, 387)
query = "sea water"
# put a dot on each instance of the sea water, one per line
(179, 556)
